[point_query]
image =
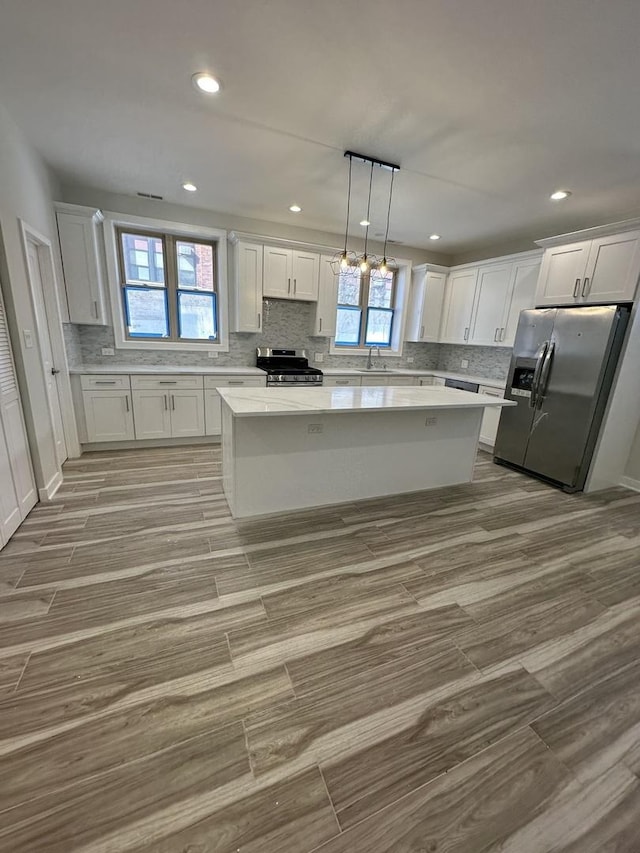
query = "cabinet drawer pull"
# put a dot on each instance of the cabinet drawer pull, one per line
(342, 381)
(576, 289)
(166, 402)
(105, 382)
(126, 401)
(168, 382)
(288, 285)
(585, 286)
(320, 324)
(236, 382)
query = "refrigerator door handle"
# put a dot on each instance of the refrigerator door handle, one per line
(540, 356)
(546, 370)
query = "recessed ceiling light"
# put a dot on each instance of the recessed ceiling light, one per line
(189, 187)
(559, 195)
(434, 236)
(365, 223)
(295, 208)
(204, 82)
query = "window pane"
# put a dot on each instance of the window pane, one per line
(143, 259)
(197, 316)
(349, 287)
(348, 326)
(146, 312)
(379, 322)
(195, 265)
(380, 290)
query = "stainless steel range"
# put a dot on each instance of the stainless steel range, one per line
(287, 368)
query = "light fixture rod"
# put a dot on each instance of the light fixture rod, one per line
(364, 158)
(346, 228)
(366, 233)
(386, 233)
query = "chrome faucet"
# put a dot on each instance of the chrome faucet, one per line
(370, 358)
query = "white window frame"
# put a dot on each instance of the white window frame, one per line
(115, 221)
(402, 286)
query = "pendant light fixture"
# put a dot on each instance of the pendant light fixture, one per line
(346, 262)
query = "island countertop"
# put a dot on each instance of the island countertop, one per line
(257, 402)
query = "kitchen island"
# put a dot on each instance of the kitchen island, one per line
(304, 447)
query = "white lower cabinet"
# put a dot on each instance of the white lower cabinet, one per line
(152, 415)
(187, 413)
(108, 415)
(212, 404)
(168, 407)
(491, 417)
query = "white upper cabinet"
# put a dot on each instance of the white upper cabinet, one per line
(425, 306)
(247, 287)
(291, 274)
(604, 269)
(82, 264)
(522, 295)
(324, 320)
(492, 293)
(458, 306)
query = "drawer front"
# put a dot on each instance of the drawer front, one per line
(342, 380)
(490, 391)
(427, 380)
(231, 381)
(104, 381)
(165, 383)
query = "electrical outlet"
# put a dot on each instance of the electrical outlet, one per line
(431, 421)
(108, 351)
(315, 428)
(464, 363)
(319, 357)
(213, 354)
(410, 359)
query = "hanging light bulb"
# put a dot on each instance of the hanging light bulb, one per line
(364, 264)
(383, 269)
(344, 261)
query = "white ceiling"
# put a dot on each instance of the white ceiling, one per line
(488, 105)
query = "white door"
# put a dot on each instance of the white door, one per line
(277, 273)
(434, 290)
(212, 413)
(324, 325)
(305, 271)
(187, 413)
(562, 274)
(248, 283)
(613, 268)
(109, 415)
(10, 514)
(492, 292)
(524, 280)
(44, 341)
(151, 414)
(461, 288)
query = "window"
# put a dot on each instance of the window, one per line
(168, 286)
(366, 308)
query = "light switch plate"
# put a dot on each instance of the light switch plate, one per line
(464, 363)
(213, 354)
(410, 359)
(319, 357)
(108, 351)
(27, 335)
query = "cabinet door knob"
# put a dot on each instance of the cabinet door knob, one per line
(259, 321)
(288, 285)
(422, 331)
(495, 337)
(126, 401)
(576, 289)
(54, 371)
(585, 286)
(320, 324)
(173, 403)
(466, 332)
(166, 403)
(95, 308)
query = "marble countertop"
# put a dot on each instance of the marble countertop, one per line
(257, 402)
(164, 369)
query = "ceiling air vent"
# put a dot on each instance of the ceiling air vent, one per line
(151, 195)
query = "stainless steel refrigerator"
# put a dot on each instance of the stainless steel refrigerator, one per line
(562, 368)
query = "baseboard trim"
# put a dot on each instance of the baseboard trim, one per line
(630, 483)
(47, 494)
(138, 444)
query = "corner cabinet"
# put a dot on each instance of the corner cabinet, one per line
(604, 269)
(425, 304)
(246, 296)
(324, 318)
(291, 274)
(82, 253)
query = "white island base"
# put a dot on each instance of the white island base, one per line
(300, 448)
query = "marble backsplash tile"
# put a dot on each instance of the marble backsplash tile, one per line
(72, 344)
(285, 323)
(491, 362)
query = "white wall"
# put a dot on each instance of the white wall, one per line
(26, 193)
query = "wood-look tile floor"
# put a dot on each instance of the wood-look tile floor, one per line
(457, 670)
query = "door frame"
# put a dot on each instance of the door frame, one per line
(53, 319)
